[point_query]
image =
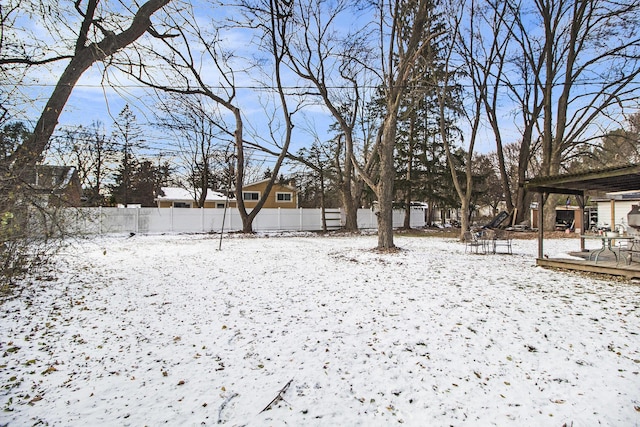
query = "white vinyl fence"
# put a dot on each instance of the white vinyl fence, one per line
(180, 220)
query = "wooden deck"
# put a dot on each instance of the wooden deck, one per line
(605, 265)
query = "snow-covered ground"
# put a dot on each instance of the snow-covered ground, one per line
(167, 330)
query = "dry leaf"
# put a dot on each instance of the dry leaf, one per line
(35, 399)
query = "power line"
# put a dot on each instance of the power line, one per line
(298, 87)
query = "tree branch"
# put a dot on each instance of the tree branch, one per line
(279, 396)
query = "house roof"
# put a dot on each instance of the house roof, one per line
(276, 183)
(614, 179)
(182, 195)
(619, 196)
(50, 177)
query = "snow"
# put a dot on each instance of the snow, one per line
(168, 330)
(181, 194)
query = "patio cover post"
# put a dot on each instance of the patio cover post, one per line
(613, 214)
(580, 199)
(541, 199)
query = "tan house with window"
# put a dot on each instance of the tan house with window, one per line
(175, 197)
(281, 195)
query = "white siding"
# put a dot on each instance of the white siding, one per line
(622, 208)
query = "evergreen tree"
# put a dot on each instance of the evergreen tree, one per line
(11, 136)
(145, 181)
(317, 179)
(421, 165)
(128, 139)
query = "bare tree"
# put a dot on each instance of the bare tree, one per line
(332, 62)
(569, 69)
(584, 68)
(100, 34)
(88, 49)
(483, 39)
(91, 152)
(198, 65)
(203, 146)
(340, 67)
(405, 32)
(574, 49)
(273, 20)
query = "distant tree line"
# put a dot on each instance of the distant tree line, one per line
(113, 171)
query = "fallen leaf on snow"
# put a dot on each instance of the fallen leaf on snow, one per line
(49, 370)
(35, 399)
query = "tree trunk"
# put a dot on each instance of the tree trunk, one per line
(322, 201)
(384, 189)
(247, 224)
(504, 178)
(350, 208)
(464, 219)
(349, 202)
(30, 153)
(344, 177)
(550, 211)
(523, 167)
(407, 196)
(406, 224)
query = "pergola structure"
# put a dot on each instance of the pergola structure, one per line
(614, 179)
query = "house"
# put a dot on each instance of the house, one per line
(281, 195)
(56, 186)
(175, 197)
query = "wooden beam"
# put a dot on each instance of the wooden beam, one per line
(621, 178)
(630, 272)
(554, 190)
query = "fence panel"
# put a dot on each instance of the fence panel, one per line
(177, 220)
(367, 218)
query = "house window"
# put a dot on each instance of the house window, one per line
(284, 197)
(219, 205)
(181, 205)
(250, 195)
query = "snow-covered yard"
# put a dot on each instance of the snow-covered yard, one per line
(167, 330)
